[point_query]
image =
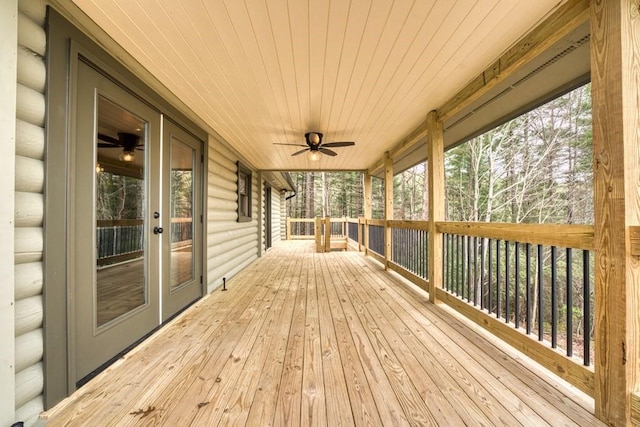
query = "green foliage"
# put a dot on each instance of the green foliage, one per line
(336, 194)
(537, 168)
(119, 197)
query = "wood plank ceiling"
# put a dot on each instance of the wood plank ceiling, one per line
(265, 71)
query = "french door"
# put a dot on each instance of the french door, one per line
(181, 245)
(135, 257)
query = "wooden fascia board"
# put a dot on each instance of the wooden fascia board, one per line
(406, 144)
(560, 23)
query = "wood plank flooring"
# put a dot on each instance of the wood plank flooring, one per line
(331, 339)
(121, 287)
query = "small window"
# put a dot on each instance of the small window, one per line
(244, 193)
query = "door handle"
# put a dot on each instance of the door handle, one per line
(157, 230)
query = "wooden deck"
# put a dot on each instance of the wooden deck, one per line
(327, 339)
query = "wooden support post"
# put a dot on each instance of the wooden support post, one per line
(435, 169)
(360, 233)
(368, 196)
(388, 207)
(318, 234)
(288, 237)
(327, 234)
(615, 66)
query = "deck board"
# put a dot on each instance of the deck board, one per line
(301, 338)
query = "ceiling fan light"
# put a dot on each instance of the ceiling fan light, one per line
(314, 155)
(314, 138)
(127, 156)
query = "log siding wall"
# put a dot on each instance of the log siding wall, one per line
(29, 210)
(231, 245)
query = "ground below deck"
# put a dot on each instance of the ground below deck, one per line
(301, 338)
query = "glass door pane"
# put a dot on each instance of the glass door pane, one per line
(121, 284)
(181, 206)
(182, 278)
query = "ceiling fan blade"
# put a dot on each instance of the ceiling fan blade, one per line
(292, 145)
(327, 151)
(339, 144)
(109, 139)
(107, 145)
(300, 152)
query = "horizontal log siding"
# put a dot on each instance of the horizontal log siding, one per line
(29, 210)
(231, 245)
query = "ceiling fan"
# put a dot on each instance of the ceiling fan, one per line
(129, 142)
(316, 146)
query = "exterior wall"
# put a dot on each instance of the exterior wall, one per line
(231, 245)
(29, 210)
(8, 52)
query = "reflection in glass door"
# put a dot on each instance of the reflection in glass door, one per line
(182, 247)
(182, 169)
(121, 284)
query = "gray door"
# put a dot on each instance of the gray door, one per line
(268, 232)
(115, 213)
(182, 237)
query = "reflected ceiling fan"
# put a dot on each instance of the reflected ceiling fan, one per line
(316, 146)
(129, 142)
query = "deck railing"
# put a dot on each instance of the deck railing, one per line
(410, 248)
(376, 242)
(119, 240)
(533, 281)
(300, 228)
(529, 284)
(546, 290)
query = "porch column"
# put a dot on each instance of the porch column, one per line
(367, 209)
(615, 70)
(8, 66)
(388, 206)
(435, 170)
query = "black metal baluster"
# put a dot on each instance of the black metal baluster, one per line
(506, 281)
(444, 263)
(540, 296)
(426, 251)
(586, 311)
(554, 299)
(489, 290)
(475, 271)
(446, 259)
(498, 279)
(457, 264)
(528, 287)
(469, 268)
(569, 302)
(482, 273)
(516, 307)
(463, 265)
